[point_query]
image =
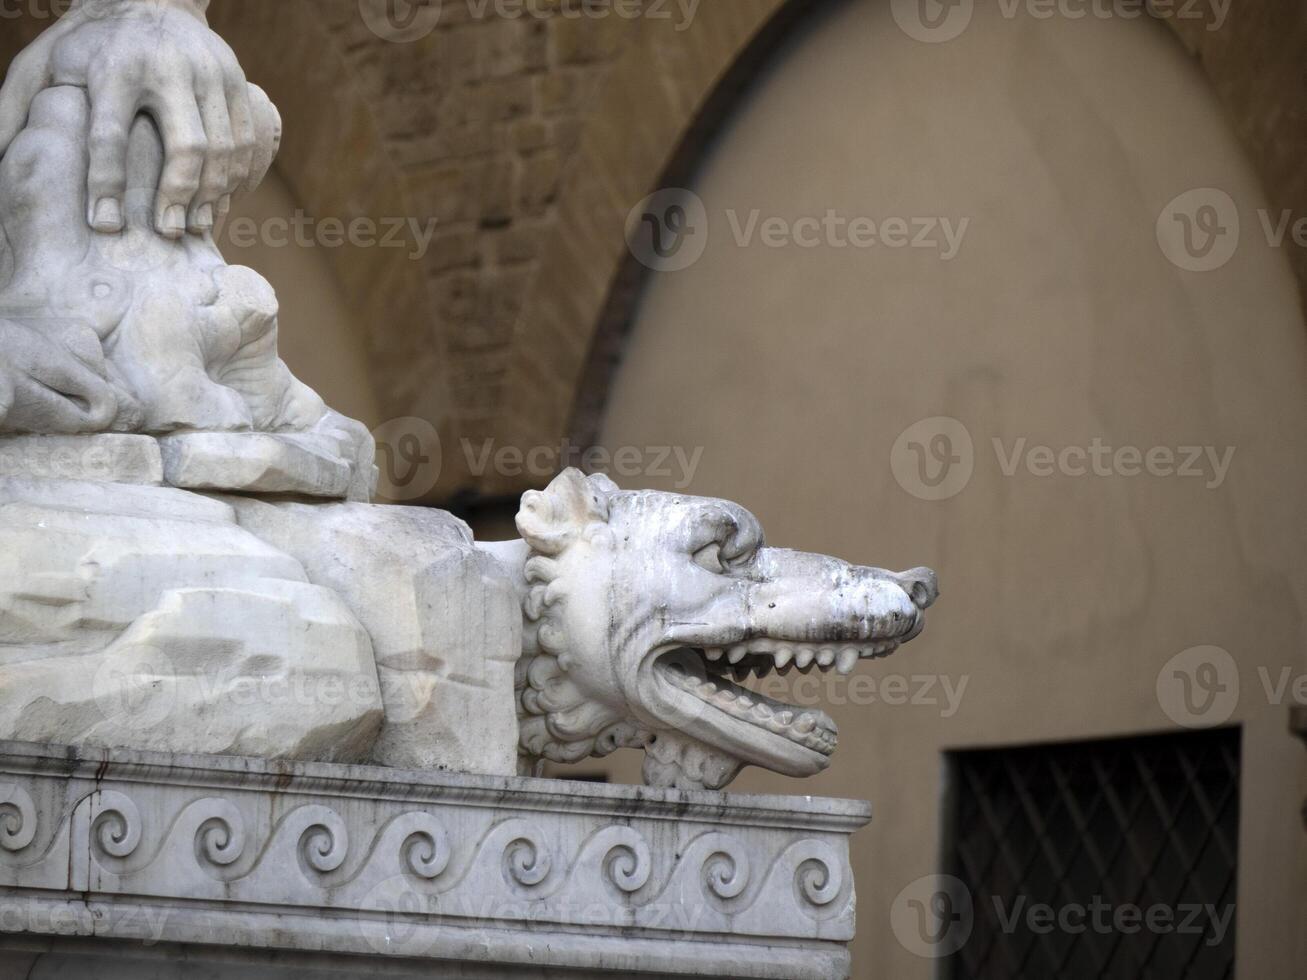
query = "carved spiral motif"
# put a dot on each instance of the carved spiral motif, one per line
(426, 847)
(527, 861)
(117, 825)
(629, 863)
(17, 817)
(324, 842)
(220, 839)
(726, 874)
(819, 882)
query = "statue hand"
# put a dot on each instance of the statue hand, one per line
(157, 57)
(45, 388)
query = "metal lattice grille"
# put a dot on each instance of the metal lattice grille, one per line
(1094, 831)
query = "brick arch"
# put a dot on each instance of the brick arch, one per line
(641, 136)
(338, 165)
(565, 357)
(529, 140)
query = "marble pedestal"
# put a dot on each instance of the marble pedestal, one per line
(117, 865)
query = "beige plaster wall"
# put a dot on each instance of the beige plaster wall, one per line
(1059, 321)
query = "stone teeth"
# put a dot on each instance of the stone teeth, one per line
(786, 717)
(783, 656)
(848, 659)
(805, 724)
(713, 653)
(738, 653)
(803, 659)
(826, 657)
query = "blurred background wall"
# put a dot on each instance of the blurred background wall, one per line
(795, 378)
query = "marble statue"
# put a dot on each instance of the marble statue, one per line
(191, 560)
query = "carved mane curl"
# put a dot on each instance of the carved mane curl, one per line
(558, 721)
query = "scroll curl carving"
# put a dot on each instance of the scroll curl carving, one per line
(220, 839)
(726, 871)
(116, 828)
(527, 860)
(324, 841)
(425, 848)
(17, 817)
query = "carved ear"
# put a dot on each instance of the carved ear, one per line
(552, 519)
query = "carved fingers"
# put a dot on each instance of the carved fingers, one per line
(164, 61)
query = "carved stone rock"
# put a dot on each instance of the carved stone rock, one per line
(146, 617)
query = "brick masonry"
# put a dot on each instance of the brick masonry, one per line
(528, 138)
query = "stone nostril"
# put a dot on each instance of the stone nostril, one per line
(922, 586)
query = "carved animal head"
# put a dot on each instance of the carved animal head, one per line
(650, 606)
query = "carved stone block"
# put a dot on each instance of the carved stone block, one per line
(166, 865)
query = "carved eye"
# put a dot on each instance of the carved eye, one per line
(709, 558)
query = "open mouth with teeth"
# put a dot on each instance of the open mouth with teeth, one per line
(714, 677)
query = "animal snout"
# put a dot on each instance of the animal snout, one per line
(921, 585)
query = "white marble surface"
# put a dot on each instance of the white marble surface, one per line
(112, 862)
(649, 609)
(146, 617)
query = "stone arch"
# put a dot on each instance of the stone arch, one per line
(572, 340)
